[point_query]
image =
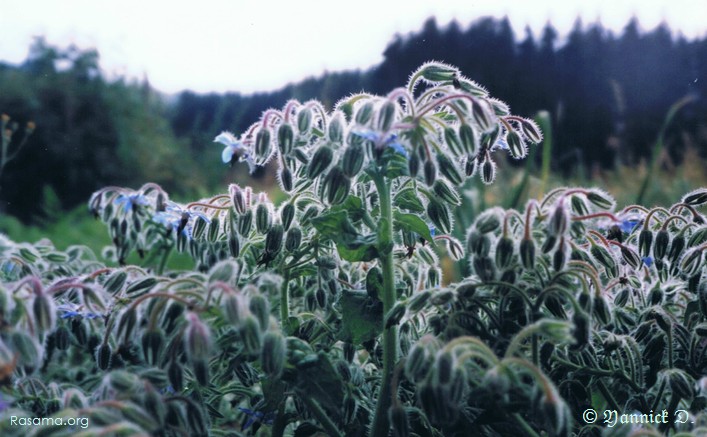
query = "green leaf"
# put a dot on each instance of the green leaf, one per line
(353, 205)
(351, 245)
(362, 317)
(412, 223)
(318, 379)
(409, 199)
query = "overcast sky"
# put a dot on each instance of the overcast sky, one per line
(247, 46)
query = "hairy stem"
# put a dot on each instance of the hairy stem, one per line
(380, 426)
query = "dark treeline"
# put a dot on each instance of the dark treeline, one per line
(608, 96)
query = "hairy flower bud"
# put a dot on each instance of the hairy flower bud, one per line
(293, 239)
(285, 138)
(237, 198)
(488, 171)
(234, 246)
(263, 219)
(516, 145)
(484, 268)
(453, 142)
(273, 354)
(263, 146)
(527, 253)
(468, 139)
(104, 354)
(386, 116)
(364, 113)
(645, 239)
(234, 308)
(429, 171)
(320, 161)
(504, 252)
(531, 131)
(440, 216)
(483, 115)
(284, 177)
(418, 301)
(197, 338)
(352, 160)
(251, 336)
(44, 312)
(697, 197)
(273, 239)
(152, 341)
(304, 120)
(449, 169)
(445, 192)
(336, 186)
(287, 215)
(395, 314)
(438, 72)
(691, 262)
(662, 241)
(260, 307)
(606, 259)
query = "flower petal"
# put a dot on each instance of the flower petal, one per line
(227, 139)
(227, 154)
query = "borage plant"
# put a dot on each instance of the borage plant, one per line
(370, 187)
(328, 313)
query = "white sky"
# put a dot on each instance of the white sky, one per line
(247, 46)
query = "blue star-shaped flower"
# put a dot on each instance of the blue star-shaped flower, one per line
(382, 141)
(176, 217)
(131, 201)
(234, 148)
(628, 225)
(647, 261)
(71, 310)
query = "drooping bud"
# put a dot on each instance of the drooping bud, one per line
(516, 145)
(477, 243)
(285, 138)
(662, 241)
(364, 113)
(606, 259)
(320, 161)
(419, 301)
(260, 307)
(234, 308)
(273, 239)
(251, 335)
(197, 339)
(440, 216)
(531, 131)
(336, 186)
(199, 227)
(284, 176)
(483, 115)
(287, 215)
(336, 129)
(213, 230)
(62, 337)
(559, 258)
(559, 220)
(352, 161)
(413, 164)
(43, 311)
(527, 253)
(445, 192)
(470, 165)
(263, 146)
(438, 72)
(104, 353)
(304, 120)
(697, 197)
(273, 354)
(488, 171)
(468, 138)
(152, 341)
(680, 383)
(601, 199)
(691, 262)
(449, 169)
(386, 116)
(645, 239)
(393, 317)
(429, 171)
(321, 296)
(484, 268)
(293, 239)
(504, 252)
(453, 142)
(263, 220)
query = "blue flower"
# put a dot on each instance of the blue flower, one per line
(648, 261)
(234, 148)
(628, 225)
(500, 144)
(432, 230)
(257, 416)
(176, 217)
(381, 142)
(130, 202)
(71, 310)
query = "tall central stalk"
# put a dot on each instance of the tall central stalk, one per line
(390, 334)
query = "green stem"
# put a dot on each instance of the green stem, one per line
(163, 261)
(316, 409)
(285, 301)
(380, 426)
(529, 431)
(278, 427)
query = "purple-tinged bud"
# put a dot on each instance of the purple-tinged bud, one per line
(273, 354)
(559, 258)
(559, 220)
(516, 145)
(697, 197)
(455, 249)
(213, 230)
(578, 205)
(285, 138)
(320, 161)
(197, 339)
(234, 308)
